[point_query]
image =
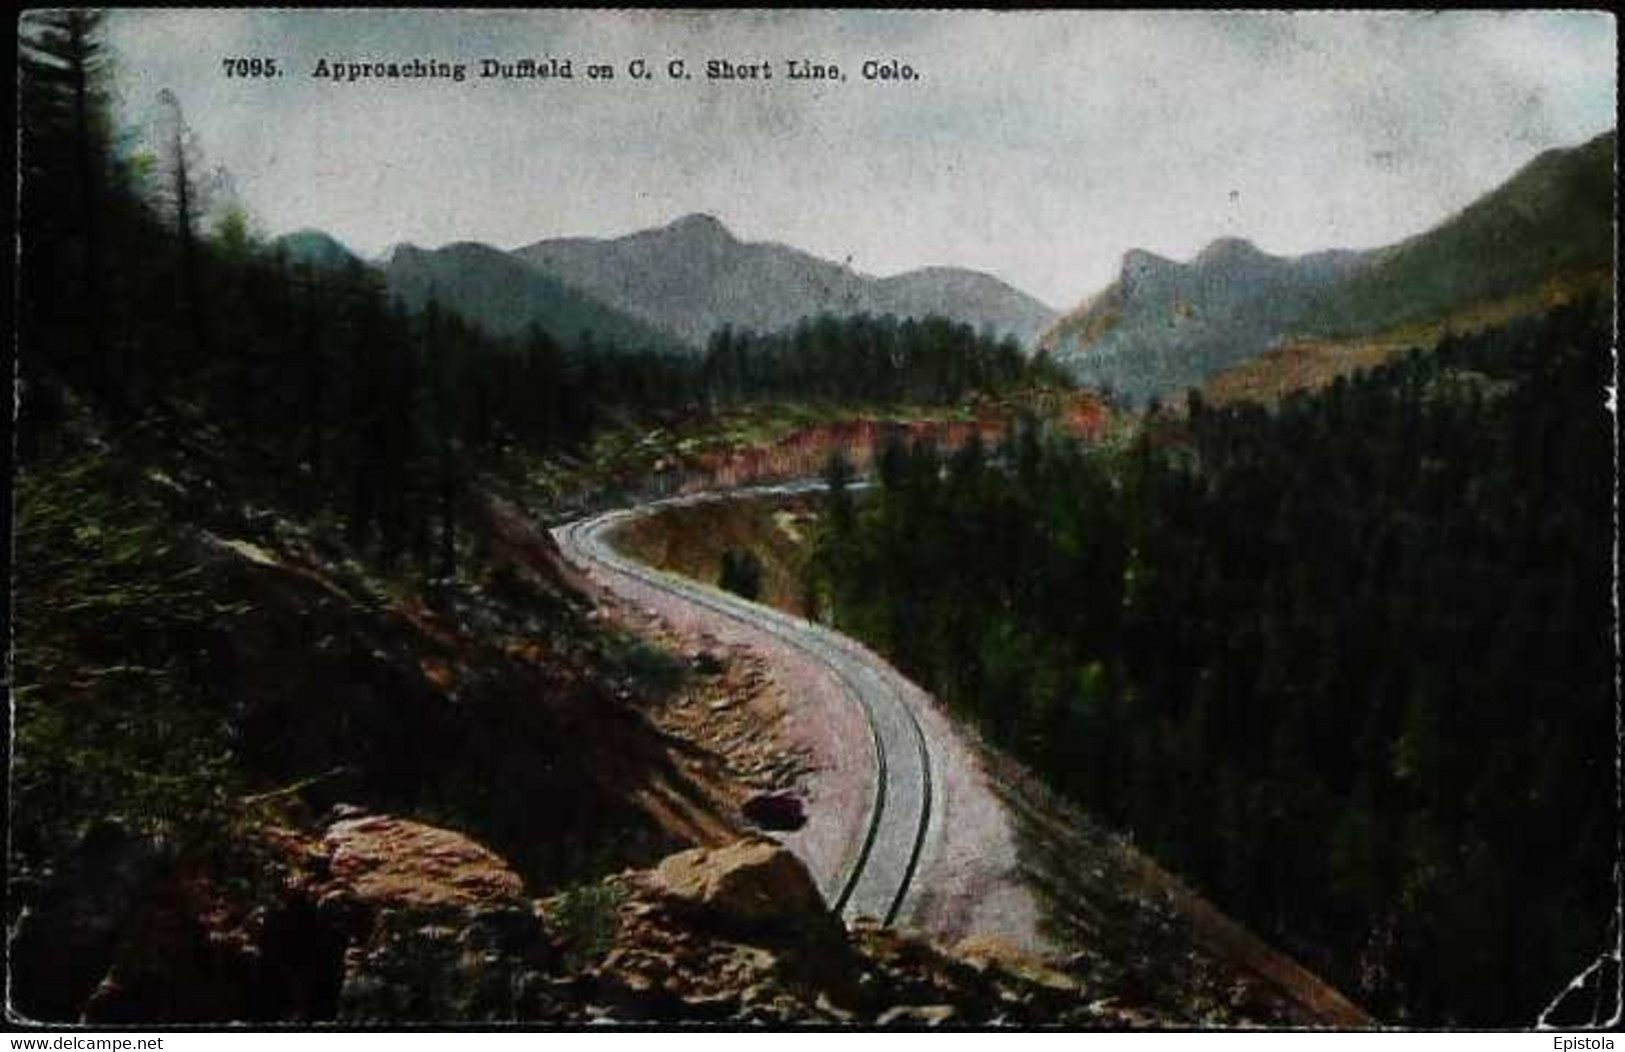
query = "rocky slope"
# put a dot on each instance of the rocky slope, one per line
(747, 445)
(1163, 326)
(378, 918)
(693, 276)
(289, 676)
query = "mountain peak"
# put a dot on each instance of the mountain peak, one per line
(309, 233)
(1138, 264)
(399, 248)
(1139, 257)
(315, 247)
(701, 224)
(1229, 250)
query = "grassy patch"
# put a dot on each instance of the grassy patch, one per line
(627, 656)
(587, 918)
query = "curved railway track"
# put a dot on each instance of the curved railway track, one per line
(973, 877)
(879, 872)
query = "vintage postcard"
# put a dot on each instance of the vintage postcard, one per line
(827, 518)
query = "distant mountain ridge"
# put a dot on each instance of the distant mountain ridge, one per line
(505, 296)
(670, 288)
(694, 276)
(1164, 326)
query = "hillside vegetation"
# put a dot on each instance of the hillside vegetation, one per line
(1307, 363)
(1554, 216)
(1346, 665)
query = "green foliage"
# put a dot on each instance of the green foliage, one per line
(628, 656)
(445, 967)
(930, 361)
(116, 718)
(588, 918)
(233, 234)
(1346, 665)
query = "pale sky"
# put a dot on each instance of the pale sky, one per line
(1036, 146)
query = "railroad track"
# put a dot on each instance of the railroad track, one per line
(880, 870)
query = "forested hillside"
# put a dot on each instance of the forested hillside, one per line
(184, 380)
(158, 305)
(1346, 665)
(867, 359)
(155, 305)
(252, 531)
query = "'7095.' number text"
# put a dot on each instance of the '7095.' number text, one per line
(251, 67)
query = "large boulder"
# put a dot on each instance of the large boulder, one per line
(440, 925)
(389, 862)
(751, 884)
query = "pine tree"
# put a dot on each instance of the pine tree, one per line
(182, 197)
(66, 180)
(838, 482)
(445, 427)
